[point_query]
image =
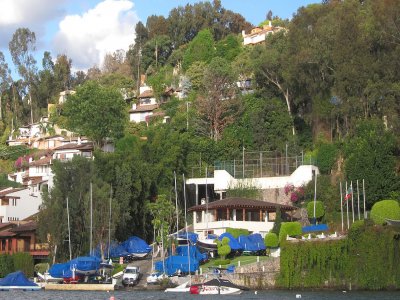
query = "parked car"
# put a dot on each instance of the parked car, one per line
(131, 276)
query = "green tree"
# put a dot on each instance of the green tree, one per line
(97, 112)
(5, 78)
(271, 240)
(326, 157)
(368, 155)
(289, 229)
(218, 105)
(22, 47)
(200, 49)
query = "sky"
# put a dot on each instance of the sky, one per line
(86, 30)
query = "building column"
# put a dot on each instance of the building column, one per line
(13, 245)
(227, 213)
(244, 214)
(6, 250)
(261, 215)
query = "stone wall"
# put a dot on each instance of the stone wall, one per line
(256, 276)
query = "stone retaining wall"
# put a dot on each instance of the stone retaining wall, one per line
(257, 276)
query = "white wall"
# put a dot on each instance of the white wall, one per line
(26, 206)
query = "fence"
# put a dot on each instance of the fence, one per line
(255, 165)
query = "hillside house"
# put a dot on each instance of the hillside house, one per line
(22, 237)
(145, 106)
(257, 35)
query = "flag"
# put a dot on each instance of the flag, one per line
(349, 192)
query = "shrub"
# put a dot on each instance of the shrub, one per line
(289, 228)
(41, 267)
(278, 221)
(271, 240)
(236, 232)
(319, 209)
(24, 262)
(223, 247)
(6, 265)
(385, 209)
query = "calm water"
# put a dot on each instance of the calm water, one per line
(138, 295)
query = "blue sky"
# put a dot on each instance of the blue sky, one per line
(86, 30)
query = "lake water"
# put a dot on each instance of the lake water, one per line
(152, 295)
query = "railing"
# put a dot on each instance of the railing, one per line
(255, 165)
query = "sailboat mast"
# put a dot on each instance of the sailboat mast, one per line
(109, 227)
(69, 232)
(176, 205)
(91, 218)
(206, 205)
(186, 227)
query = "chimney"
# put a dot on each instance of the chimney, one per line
(243, 33)
(269, 23)
(79, 140)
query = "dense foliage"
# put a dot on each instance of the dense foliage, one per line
(319, 209)
(271, 240)
(236, 232)
(367, 259)
(223, 247)
(16, 262)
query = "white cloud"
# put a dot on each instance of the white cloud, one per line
(32, 14)
(87, 37)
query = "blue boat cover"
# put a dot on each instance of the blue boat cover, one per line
(252, 242)
(233, 243)
(136, 245)
(85, 263)
(174, 264)
(116, 250)
(193, 251)
(313, 228)
(16, 279)
(193, 237)
(59, 270)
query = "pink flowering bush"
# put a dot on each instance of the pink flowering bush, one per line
(295, 194)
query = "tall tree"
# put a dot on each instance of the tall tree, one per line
(5, 76)
(62, 72)
(22, 47)
(218, 103)
(86, 112)
(200, 49)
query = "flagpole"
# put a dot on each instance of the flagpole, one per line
(341, 204)
(315, 196)
(358, 200)
(365, 213)
(347, 209)
(352, 199)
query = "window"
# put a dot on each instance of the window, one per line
(14, 202)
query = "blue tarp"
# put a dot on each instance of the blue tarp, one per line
(174, 264)
(252, 242)
(59, 270)
(136, 245)
(233, 243)
(313, 228)
(85, 263)
(16, 279)
(116, 250)
(193, 251)
(193, 237)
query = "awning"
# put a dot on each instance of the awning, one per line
(313, 228)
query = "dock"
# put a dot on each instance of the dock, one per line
(78, 287)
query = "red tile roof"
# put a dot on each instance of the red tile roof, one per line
(41, 162)
(147, 94)
(73, 146)
(144, 108)
(25, 227)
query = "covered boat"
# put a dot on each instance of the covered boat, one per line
(59, 270)
(136, 247)
(252, 243)
(233, 243)
(193, 251)
(175, 265)
(85, 265)
(17, 281)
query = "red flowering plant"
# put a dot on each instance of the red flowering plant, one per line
(295, 193)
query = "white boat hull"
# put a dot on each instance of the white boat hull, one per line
(23, 288)
(219, 290)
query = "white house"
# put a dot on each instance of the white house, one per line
(147, 103)
(64, 95)
(253, 215)
(258, 34)
(18, 204)
(68, 151)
